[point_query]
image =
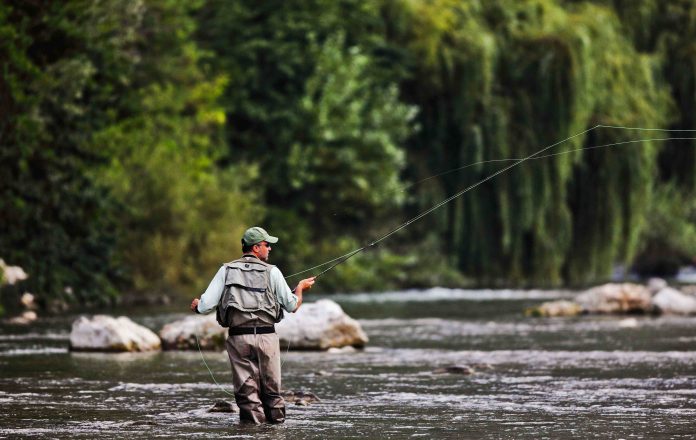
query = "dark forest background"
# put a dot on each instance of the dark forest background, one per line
(139, 139)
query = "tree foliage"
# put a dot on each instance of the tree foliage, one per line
(507, 79)
(57, 220)
(138, 139)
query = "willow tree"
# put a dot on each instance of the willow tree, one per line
(668, 29)
(504, 79)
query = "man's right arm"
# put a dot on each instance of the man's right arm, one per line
(211, 297)
(303, 285)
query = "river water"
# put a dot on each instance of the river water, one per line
(557, 378)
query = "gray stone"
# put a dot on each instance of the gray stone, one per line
(316, 326)
(181, 334)
(616, 298)
(105, 333)
(672, 301)
(223, 406)
(302, 398)
(320, 326)
(555, 308)
(25, 318)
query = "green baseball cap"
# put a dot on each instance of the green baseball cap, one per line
(257, 235)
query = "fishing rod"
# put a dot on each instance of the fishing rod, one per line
(517, 161)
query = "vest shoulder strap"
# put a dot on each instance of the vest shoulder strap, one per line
(248, 263)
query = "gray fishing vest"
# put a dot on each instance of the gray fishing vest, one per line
(247, 289)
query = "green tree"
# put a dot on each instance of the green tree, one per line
(505, 79)
(313, 103)
(182, 213)
(57, 221)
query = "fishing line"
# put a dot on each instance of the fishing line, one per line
(343, 258)
(444, 173)
(206, 366)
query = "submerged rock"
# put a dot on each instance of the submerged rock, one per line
(301, 398)
(223, 406)
(181, 334)
(342, 350)
(464, 370)
(616, 298)
(628, 323)
(555, 308)
(105, 333)
(25, 318)
(672, 301)
(320, 326)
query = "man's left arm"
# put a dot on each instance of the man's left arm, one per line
(209, 300)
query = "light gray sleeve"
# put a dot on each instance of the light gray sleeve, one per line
(286, 298)
(210, 299)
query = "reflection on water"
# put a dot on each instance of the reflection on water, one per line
(587, 377)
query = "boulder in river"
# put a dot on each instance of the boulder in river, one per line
(672, 301)
(316, 326)
(181, 334)
(224, 406)
(555, 308)
(25, 318)
(616, 298)
(319, 326)
(301, 398)
(106, 333)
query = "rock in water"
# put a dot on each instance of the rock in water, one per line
(223, 406)
(181, 334)
(320, 326)
(301, 398)
(24, 319)
(672, 301)
(105, 333)
(455, 369)
(616, 298)
(628, 323)
(555, 308)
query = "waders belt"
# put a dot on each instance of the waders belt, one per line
(251, 330)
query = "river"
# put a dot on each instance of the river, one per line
(556, 378)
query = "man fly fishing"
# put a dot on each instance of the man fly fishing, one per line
(250, 295)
